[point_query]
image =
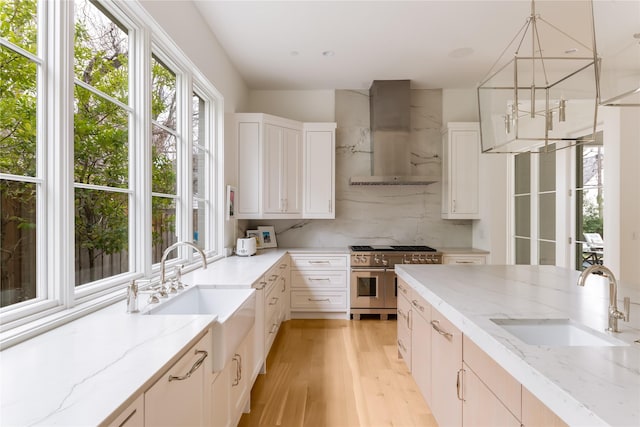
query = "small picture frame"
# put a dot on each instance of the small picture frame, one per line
(258, 237)
(232, 195)
(268, 236)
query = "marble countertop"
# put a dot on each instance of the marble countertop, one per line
(82, 372)
(582, 385)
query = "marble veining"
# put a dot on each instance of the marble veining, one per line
(583, 385)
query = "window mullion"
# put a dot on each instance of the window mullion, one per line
(185, 169)
(140, 153)
(58, 173)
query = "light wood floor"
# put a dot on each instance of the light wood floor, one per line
(336, 373)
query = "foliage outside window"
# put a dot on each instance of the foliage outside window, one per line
(109, 205)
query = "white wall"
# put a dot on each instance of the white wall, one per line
(301, 105)
(622, 192)
(459, 105)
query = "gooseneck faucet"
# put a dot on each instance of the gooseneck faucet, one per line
(614, 314)
(172, 247)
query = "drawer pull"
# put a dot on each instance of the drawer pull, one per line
(283, 266)
(274, 328)
(319, 299)
(459, 378)
(261, 286)
(272, 277)
(418, 306)
(464, 262)
(319, 262)
(319, 279)
(194, 368)
(273, 301)
(436, 326)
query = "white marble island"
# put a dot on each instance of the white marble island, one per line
(582, 385)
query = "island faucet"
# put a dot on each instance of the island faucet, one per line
(614, 314)
(172, 247)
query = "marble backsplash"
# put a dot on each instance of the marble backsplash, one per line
(397, 214)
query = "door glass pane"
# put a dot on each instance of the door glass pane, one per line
(547, 179)
(589, 208)
(523, 251)
(547, 253)
(163, 226)
(164, 153)
(523, 216)
(547, 216)
(17, 242)
(523, 173)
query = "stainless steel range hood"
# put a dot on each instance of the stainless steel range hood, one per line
(389, 109)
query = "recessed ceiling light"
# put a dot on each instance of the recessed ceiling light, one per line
(328, 53)
(294, 53)
(462, 52)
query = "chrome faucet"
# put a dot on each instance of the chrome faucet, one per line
(172, 247)
(614, 314)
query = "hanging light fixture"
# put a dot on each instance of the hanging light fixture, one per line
(545, 94)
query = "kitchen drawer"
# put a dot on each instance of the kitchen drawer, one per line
(318, 279)
(272, 302)
(464, 259)
(404, 289)
(318, 300)
(499, 381)
(319, 262)
(277, 270)
(271, 328)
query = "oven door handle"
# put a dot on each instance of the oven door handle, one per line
(372, 270)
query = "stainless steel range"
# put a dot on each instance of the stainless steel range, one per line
(374, 287)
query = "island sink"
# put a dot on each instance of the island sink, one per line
(556, 333)
(235, 310)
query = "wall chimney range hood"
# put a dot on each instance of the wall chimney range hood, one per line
(389, 109)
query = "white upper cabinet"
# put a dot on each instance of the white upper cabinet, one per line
(282, 170)
(460, 171)
(274, 180)
(319, 168)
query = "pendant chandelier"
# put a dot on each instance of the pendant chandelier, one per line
(541, 94)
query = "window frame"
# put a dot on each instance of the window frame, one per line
(61, 300)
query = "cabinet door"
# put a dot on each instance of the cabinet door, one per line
(273, 197)
(240, 379)
(464, 181)
(446, 362)
(133, 416)
(319, 173)
(404, 328)
(177, 398)
(292, 171)
(536, 413)
(421, 358)
(259, 355)
(248, 169)
(220, 395)
(464, 259)
(481, 407)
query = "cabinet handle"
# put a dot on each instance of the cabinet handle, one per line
(402, 345)
(436, 325)
(418, 306)
(319, 279)
(272, 277)
(262, 285)
(329, 205)
(284, 285)
(283, 266)
(319, 262)
(464, 262)
(274, 328)
(402, 289)
(459, 385)
(454, 205)
(401, 314)
(319, 299)
(126, 420)
(236, 380)
(193, 368)
(410, 320)
(274, 301)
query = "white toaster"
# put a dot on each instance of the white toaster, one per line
(246, 246)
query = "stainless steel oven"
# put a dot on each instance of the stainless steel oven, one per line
(374, 285)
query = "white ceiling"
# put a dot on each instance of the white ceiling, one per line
(279, 45)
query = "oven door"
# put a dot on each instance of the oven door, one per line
(367, 288)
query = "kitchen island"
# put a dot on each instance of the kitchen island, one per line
(582, 385)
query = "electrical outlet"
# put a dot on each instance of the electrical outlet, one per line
(635, 235)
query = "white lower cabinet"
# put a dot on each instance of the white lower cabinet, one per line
(133, 416)
(464, 259)
(178, 397)
(421, 345)
(461, 383)
(446, 362)
(481, 407)
(319, 284)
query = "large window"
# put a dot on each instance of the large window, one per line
(119, 166)
(20, 177)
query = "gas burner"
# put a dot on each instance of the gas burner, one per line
(413, 248)
(363, 248)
